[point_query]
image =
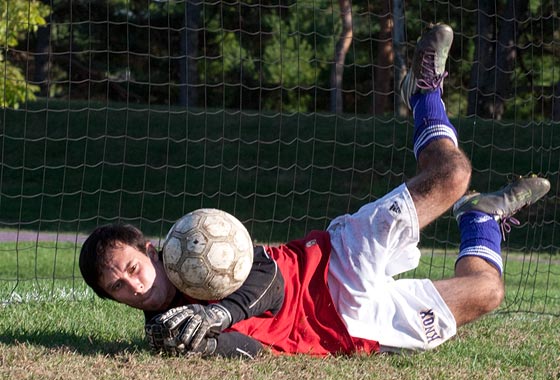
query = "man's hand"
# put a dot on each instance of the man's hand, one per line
(205, 322)
(160, 337)
(188, 329)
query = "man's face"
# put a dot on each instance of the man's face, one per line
(136, 279)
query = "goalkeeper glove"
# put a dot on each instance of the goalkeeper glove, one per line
(188, 329)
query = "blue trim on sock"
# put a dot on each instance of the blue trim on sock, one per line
(481, 236)
(429, 111)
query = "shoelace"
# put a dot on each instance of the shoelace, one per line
(432, 81)
(505, 225)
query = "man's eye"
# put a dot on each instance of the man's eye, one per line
(133, 268)
(117, 286)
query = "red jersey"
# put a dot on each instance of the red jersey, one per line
(308, 322)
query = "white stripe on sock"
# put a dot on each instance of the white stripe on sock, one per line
(433, 131)
(485, 253)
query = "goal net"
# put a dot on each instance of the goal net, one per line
(283, 113)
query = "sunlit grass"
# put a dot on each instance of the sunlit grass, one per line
(53, 327)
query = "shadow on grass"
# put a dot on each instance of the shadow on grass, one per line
(84, 345)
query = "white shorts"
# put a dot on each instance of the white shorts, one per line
(368, 249)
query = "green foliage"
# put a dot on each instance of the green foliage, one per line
(282, 52)
(288, 63)
(13, 87)
(17, 20)
(276, 56)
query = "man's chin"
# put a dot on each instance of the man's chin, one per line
(150, 301)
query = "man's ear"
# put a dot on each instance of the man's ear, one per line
(152, 251)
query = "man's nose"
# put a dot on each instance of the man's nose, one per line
(137, 286)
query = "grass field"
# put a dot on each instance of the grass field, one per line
(69, 166)
(57, 341)
(75, 335)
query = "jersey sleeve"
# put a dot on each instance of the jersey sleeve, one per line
(262, 291)
(237, 345)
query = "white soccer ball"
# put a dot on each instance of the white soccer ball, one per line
(208, 254)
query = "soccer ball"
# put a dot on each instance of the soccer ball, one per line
(208, 254)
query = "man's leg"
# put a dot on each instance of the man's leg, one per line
(479, 264)
(443, 170)
(443, 177)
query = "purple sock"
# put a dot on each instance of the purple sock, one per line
(430, 120)
(481, 236)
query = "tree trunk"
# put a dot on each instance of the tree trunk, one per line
(556, 103)
(399, 50)
(494, 64)
(507, 52)
(42, 56)
(481, 85)
(342, 47)
(188, 95)
(383, 71)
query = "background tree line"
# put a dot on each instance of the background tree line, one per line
(283, 55)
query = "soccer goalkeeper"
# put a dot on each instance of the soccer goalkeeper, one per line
(333, 291)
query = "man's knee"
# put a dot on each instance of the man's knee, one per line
(447, 167)
(491, 292)
(458, 172)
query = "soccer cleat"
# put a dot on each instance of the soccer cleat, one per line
(504, 203)
(428, 64)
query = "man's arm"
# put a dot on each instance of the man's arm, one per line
(262, 291)
(237, 345)
(197, 328)
(226, 344)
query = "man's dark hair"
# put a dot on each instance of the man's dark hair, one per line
(95, 252)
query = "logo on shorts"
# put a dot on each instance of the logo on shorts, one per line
(429, 321)
(395, 208)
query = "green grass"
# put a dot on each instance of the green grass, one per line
(497, 347)
(70, 166)
(75, 335)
